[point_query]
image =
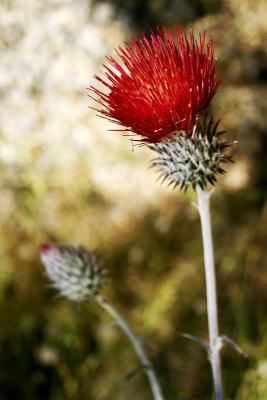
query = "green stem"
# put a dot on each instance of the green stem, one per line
(204, 212)
(155, 387)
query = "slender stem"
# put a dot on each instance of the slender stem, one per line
(204, 212)
(155, 387)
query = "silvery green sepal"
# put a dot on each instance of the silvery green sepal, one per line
(74, 271)
(192, 160)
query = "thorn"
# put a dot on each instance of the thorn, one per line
(170, 183)
(175, 185)
(203, 343)
(226, 340)
(160, 176)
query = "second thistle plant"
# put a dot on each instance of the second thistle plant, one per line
(75, 272)
(78, 276)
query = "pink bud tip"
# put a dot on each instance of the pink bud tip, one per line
(44, 247)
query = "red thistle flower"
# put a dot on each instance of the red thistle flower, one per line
(161, 85)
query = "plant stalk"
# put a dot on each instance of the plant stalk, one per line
(154, 384)
(214, 339)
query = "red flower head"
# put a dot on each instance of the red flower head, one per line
(161, 86)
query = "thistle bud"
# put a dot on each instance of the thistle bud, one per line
(74, 271)
(194, 160)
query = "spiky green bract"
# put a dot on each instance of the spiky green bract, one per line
(195, 160)
(75, 272)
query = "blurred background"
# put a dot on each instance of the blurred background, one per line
(66, 179)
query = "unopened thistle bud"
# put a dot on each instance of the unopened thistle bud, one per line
(74, 271)
(195, 160)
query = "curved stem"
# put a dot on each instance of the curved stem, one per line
(214, 340)
(155, 387)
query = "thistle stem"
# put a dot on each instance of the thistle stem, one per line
(214, 339)
(155, 387)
